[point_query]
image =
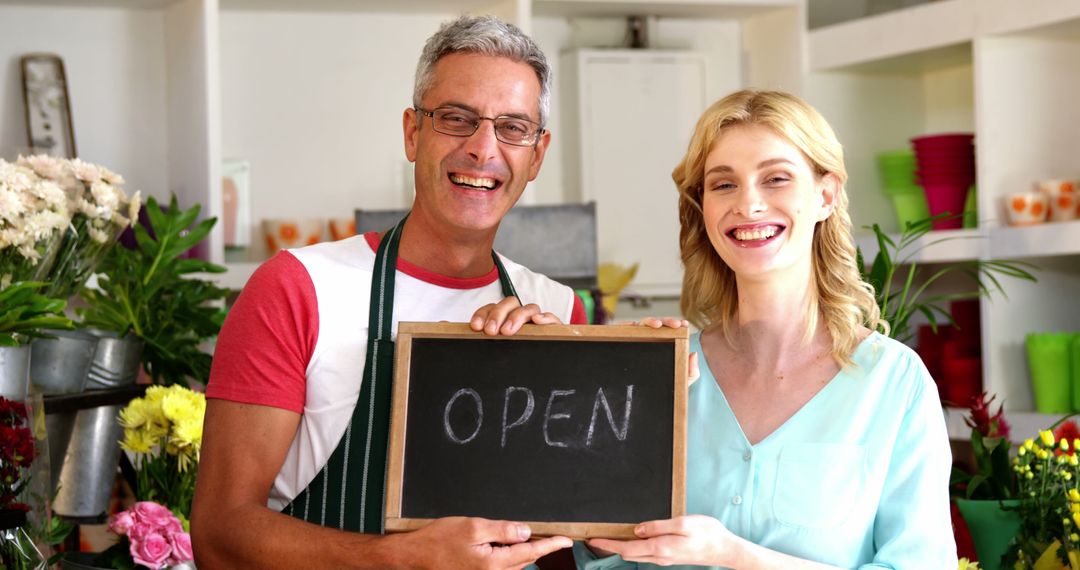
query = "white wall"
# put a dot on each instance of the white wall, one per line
(115, 64)
(314, 100)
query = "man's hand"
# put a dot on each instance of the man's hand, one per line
(507, 317)
(460, 542)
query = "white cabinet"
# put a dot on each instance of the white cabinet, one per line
(628, 119)
(1010, 73)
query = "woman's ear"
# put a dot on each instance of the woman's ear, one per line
(828, 187)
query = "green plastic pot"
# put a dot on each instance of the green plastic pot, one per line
(992, 528)
(910, 206)
(1051, 381)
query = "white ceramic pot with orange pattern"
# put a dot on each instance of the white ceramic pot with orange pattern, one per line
(284, 233)
(1063, 199)
(1026, 208)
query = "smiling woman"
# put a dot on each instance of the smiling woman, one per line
(813, 440)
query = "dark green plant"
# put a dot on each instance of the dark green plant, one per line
(24, 312)
(151, 292)
(901, 284)
(994, 477)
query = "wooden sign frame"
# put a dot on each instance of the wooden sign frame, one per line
(407, 332)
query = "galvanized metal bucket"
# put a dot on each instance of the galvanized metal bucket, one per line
(59, 365)
(116, 361)
(93, 452)
(90, 463)
(14, 372)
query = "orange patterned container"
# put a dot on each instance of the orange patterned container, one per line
(1063, 199)
(1026, 208)
(288, 233)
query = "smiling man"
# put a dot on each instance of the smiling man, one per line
(294, 458)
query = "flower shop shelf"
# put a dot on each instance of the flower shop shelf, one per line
(941, 34)
(1022, 425)
(62, 403)
(1041, 240)
(935, 247)
(944, 33)
(1057, 238)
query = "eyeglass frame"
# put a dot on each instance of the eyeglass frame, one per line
(430, 113)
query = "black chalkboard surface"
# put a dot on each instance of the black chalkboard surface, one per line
(577, 430)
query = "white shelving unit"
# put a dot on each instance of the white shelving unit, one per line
(287, 84)
(1005, 71)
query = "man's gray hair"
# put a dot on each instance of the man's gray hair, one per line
(486, 35)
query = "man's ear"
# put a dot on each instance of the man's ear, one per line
(828, 187)
(538, 154)
(410, 126)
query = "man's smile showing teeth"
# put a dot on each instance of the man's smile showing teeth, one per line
(755, 234)
(478, 183)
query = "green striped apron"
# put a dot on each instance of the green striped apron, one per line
(348, 492)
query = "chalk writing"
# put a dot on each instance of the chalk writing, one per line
(519, 403)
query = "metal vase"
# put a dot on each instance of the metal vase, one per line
(93, 452)
(59, 365)
(14, 372)
(116, 361)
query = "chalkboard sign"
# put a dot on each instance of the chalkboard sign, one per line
(577, 430)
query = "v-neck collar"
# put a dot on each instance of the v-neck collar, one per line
(793, 418)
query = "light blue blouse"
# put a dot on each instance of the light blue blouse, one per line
(857, 478)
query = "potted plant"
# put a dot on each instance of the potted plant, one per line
(17, 452)
(1048, 472)
(150, 292)
(901, 285)
(987, 499)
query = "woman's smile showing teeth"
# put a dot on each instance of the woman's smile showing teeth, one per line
(755, 235)
(474, 183)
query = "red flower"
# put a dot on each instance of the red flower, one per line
(1067, 431)
(986, 423)
(17, 452)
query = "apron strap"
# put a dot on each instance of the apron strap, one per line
(348, 492)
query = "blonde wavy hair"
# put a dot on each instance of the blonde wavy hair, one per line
(839, 296)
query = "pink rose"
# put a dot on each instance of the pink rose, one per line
(181, 547)
(173, 527)
(152, 551)
(121, 523)
(153, 513)
(140, 530)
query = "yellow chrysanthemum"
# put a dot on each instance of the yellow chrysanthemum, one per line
(1047, 438)
(1063, 444)
(1074, 495)
(138, 441)
(154, 394)
(1076, 518)
(1028, 443)
(136, 414)
(1073, 460)
(1022, 451)
(189, 432)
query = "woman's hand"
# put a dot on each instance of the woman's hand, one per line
(669, 322)
(507, 317)
(692, 539)
(673, 323)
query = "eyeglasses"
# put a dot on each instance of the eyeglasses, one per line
(458, 122)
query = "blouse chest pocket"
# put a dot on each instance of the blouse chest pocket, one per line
(819, 484)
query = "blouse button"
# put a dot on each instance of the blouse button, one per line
(736, 500)
(746, 456)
